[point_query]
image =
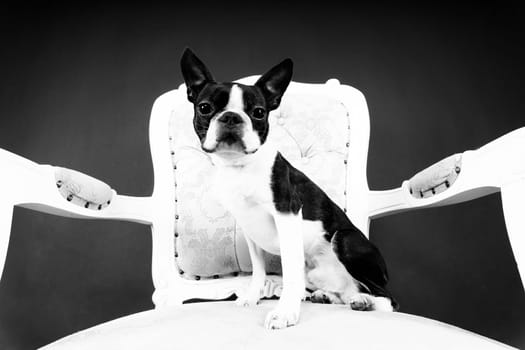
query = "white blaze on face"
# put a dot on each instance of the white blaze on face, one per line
(249, 137)
(236, 102)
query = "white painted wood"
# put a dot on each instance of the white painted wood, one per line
(6, 217)
(483, 171)
(31, 185)
(513, 198)
(499, 165)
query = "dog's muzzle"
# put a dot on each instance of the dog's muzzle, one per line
(230, 120)
(230, 128)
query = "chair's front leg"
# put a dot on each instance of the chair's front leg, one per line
(6, 217)
(16, 177)
(513, 199)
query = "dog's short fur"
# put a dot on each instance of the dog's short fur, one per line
(279, 208)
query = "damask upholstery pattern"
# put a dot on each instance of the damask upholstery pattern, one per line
(312, 132)
(436, 178)
(81, 189)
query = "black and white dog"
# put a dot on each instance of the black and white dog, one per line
(279, 208)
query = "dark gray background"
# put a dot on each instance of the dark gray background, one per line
(77, 85)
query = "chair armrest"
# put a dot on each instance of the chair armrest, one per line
(66, 192)
(63, 192)
(497, 166)
(458, 178)
(82, 190)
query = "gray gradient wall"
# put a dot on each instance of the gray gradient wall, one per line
(77, 85)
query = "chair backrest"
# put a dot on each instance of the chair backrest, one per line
(322, 129)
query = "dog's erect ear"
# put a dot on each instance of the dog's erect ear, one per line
(195, 74)
(274, 83)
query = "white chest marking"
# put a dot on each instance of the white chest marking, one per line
(243, 186)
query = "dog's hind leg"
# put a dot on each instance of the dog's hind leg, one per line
(367, 302)
(323, 297)
(366, 265)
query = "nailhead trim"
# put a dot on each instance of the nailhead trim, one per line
(175, 233)
(418, 190)
(347, 144)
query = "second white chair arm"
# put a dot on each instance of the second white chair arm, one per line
(61, 192)
(497, 166)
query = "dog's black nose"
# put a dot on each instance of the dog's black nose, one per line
(230, 119)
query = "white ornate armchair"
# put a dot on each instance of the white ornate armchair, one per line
(199, 251)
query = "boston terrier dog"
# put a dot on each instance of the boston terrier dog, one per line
(278, 207)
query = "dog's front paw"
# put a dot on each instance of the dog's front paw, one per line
(282, 317)
(248, 298)
(246, 301)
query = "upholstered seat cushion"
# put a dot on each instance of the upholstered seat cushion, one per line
(223, 325)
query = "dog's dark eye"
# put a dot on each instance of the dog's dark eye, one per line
(205, 108)
(258, 113)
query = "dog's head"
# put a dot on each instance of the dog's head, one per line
(231, 119)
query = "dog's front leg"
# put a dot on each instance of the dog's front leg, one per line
(252, 294)
(292, 259)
